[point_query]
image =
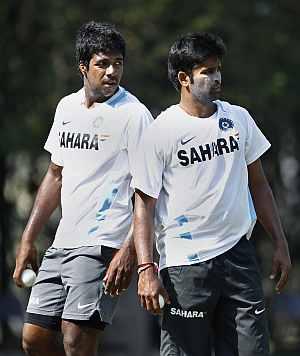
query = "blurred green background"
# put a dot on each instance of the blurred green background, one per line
(38, 67)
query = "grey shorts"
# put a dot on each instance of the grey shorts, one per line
(69, 285)
(217, 304)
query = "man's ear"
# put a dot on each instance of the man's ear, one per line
(83, 69)
(184, 79)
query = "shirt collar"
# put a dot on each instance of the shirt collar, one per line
(119, 93)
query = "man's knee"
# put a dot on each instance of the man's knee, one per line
(31, 342)
(79, 338)
(71, 343)
(37, 340)
(29, 345)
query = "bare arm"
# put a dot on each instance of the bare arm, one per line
(121, 267)
(46, 201)
(268, 216)
(149, 286)
(144, 227)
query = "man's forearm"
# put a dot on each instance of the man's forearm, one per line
(264, 203)
(267, 212)
(144, 228)
(46, 201)
(129, 241)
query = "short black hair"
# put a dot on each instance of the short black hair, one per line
(94, 37)
(190, 50)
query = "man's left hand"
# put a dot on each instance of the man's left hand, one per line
(118, 275)
(281, 266)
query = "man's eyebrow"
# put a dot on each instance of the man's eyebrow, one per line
(109, 59)
(101, 60)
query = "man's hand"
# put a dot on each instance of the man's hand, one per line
(149, 288)
(26, 255)
(119, 273)
(281, 266)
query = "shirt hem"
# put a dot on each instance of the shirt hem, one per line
(145, 191)
(186, 263)
(99, 243)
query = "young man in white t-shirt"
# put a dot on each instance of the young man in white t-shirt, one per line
(198, 170)
(92, 140)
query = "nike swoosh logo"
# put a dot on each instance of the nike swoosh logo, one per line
(79, 306)
(257, 312)
(186, 141)
(66, 122)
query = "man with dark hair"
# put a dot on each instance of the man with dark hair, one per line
(94, 135)
(199, 167)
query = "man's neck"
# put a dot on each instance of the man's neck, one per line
(92, 97)
(195, 108)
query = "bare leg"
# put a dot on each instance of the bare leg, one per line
(80, 340)
(38, 341)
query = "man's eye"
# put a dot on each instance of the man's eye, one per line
(103, 64)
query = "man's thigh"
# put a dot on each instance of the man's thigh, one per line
(48, 294)
(241, 323)
(186, 324)
(83, 271)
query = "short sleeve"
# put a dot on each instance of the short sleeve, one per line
(256, 142)
(52, 144)
(149, 165)
(137, 125)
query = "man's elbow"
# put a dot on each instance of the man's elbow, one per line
(56, 173)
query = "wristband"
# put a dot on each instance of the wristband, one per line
(143, 266)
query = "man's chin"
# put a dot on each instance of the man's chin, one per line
(108, 92)
(215, 95)
(105, 93)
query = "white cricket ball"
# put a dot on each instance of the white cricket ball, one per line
(28, 277)
(161, 301)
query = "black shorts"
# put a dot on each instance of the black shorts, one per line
(217, 304)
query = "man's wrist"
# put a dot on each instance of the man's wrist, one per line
(279, 241)
(26, 240)
(146, 266)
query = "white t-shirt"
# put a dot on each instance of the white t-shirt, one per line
(197, 169)
(95, 147)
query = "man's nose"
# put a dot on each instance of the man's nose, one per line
(218, 77)
(110, 69)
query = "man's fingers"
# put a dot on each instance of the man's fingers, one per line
(283, 279)
(156, 307)
(143, 302)
(149, 305)
(17, 278)
(118, 278)
(116, 283)
(275, 269)
(165, 295)
(108, 282)
(34, 265)
(123, 284)
(17, 274)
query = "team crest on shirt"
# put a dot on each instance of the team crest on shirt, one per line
(225, 123)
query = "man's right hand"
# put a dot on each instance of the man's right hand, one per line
(26, 255)
(149, 289)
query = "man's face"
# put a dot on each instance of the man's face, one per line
(104, 73)
(205, 81)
